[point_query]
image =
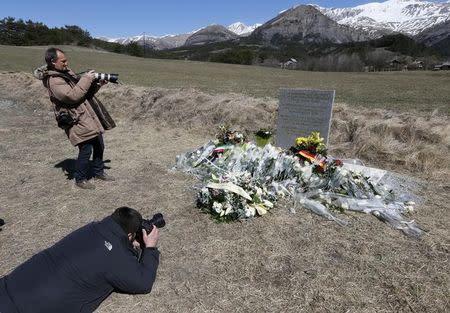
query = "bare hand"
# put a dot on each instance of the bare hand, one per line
(102, 82)
(151, 240)
(90, 74)
(136, 244)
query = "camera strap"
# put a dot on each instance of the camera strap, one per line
(52, 96)
(97, 106)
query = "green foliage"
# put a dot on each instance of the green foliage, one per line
(19, 33)
(313, 54)
(134, 49)
(443, 46)
(403, 44)
(234, 56)
(395, 43)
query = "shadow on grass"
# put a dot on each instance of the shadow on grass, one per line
(68, 166)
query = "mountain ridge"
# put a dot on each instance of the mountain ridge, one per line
(359, 23)
(308, 23)
(210, 34)
(409, 17)
(175, 41)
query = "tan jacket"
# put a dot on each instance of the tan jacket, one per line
(70, 97)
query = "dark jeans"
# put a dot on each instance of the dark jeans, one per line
(82, 163)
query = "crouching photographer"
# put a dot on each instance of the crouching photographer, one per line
(84, 268)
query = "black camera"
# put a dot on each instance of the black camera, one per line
(157, 220)
(112, 78)
(64, 120)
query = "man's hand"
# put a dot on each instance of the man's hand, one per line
(151, 240)
(102, 82)
(136, 244)
(90, 74)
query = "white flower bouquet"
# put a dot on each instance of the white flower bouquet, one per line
(242, 180)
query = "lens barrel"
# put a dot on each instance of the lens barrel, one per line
(157, 220)
(113, 78)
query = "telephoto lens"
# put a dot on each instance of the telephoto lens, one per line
(112, 78)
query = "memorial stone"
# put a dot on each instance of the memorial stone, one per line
(301, 112)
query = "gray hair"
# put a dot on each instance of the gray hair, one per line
(51, 55)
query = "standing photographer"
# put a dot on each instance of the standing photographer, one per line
(84, 268)
(77, 111)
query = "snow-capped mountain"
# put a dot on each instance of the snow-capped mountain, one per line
(156, 42)
(241, 29)
(308, 25)
(210, 34)
(404, 16)
(376, 19)
(174, 41)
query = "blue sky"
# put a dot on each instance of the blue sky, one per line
(120, 18)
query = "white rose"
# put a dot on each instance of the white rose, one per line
(249, 212)
(218, 207)
(297, 167)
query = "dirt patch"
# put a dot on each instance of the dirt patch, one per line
(279, 263)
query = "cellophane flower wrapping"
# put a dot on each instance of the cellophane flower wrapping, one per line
(241, 181)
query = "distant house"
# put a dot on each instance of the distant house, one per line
(397, 65)
(416, 65)
(444, 67)
(291, 64)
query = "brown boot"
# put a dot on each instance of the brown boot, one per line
(105, 177)
(84, 184)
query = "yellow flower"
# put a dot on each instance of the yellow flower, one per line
(301, 141)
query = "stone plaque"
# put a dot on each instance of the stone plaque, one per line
(301, 112)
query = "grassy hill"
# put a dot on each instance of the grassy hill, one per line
(400, 91)
(282, 262)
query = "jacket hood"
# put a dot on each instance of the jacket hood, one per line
(108, 227)
(42, 71)
(111, 227)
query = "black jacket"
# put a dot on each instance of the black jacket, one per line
(79, 272)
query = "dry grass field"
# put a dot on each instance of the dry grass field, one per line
(282, 262)
(399, 91)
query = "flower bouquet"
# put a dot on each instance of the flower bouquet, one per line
(245, 180)
(228, 136)
(312, 149)
(263, 137)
